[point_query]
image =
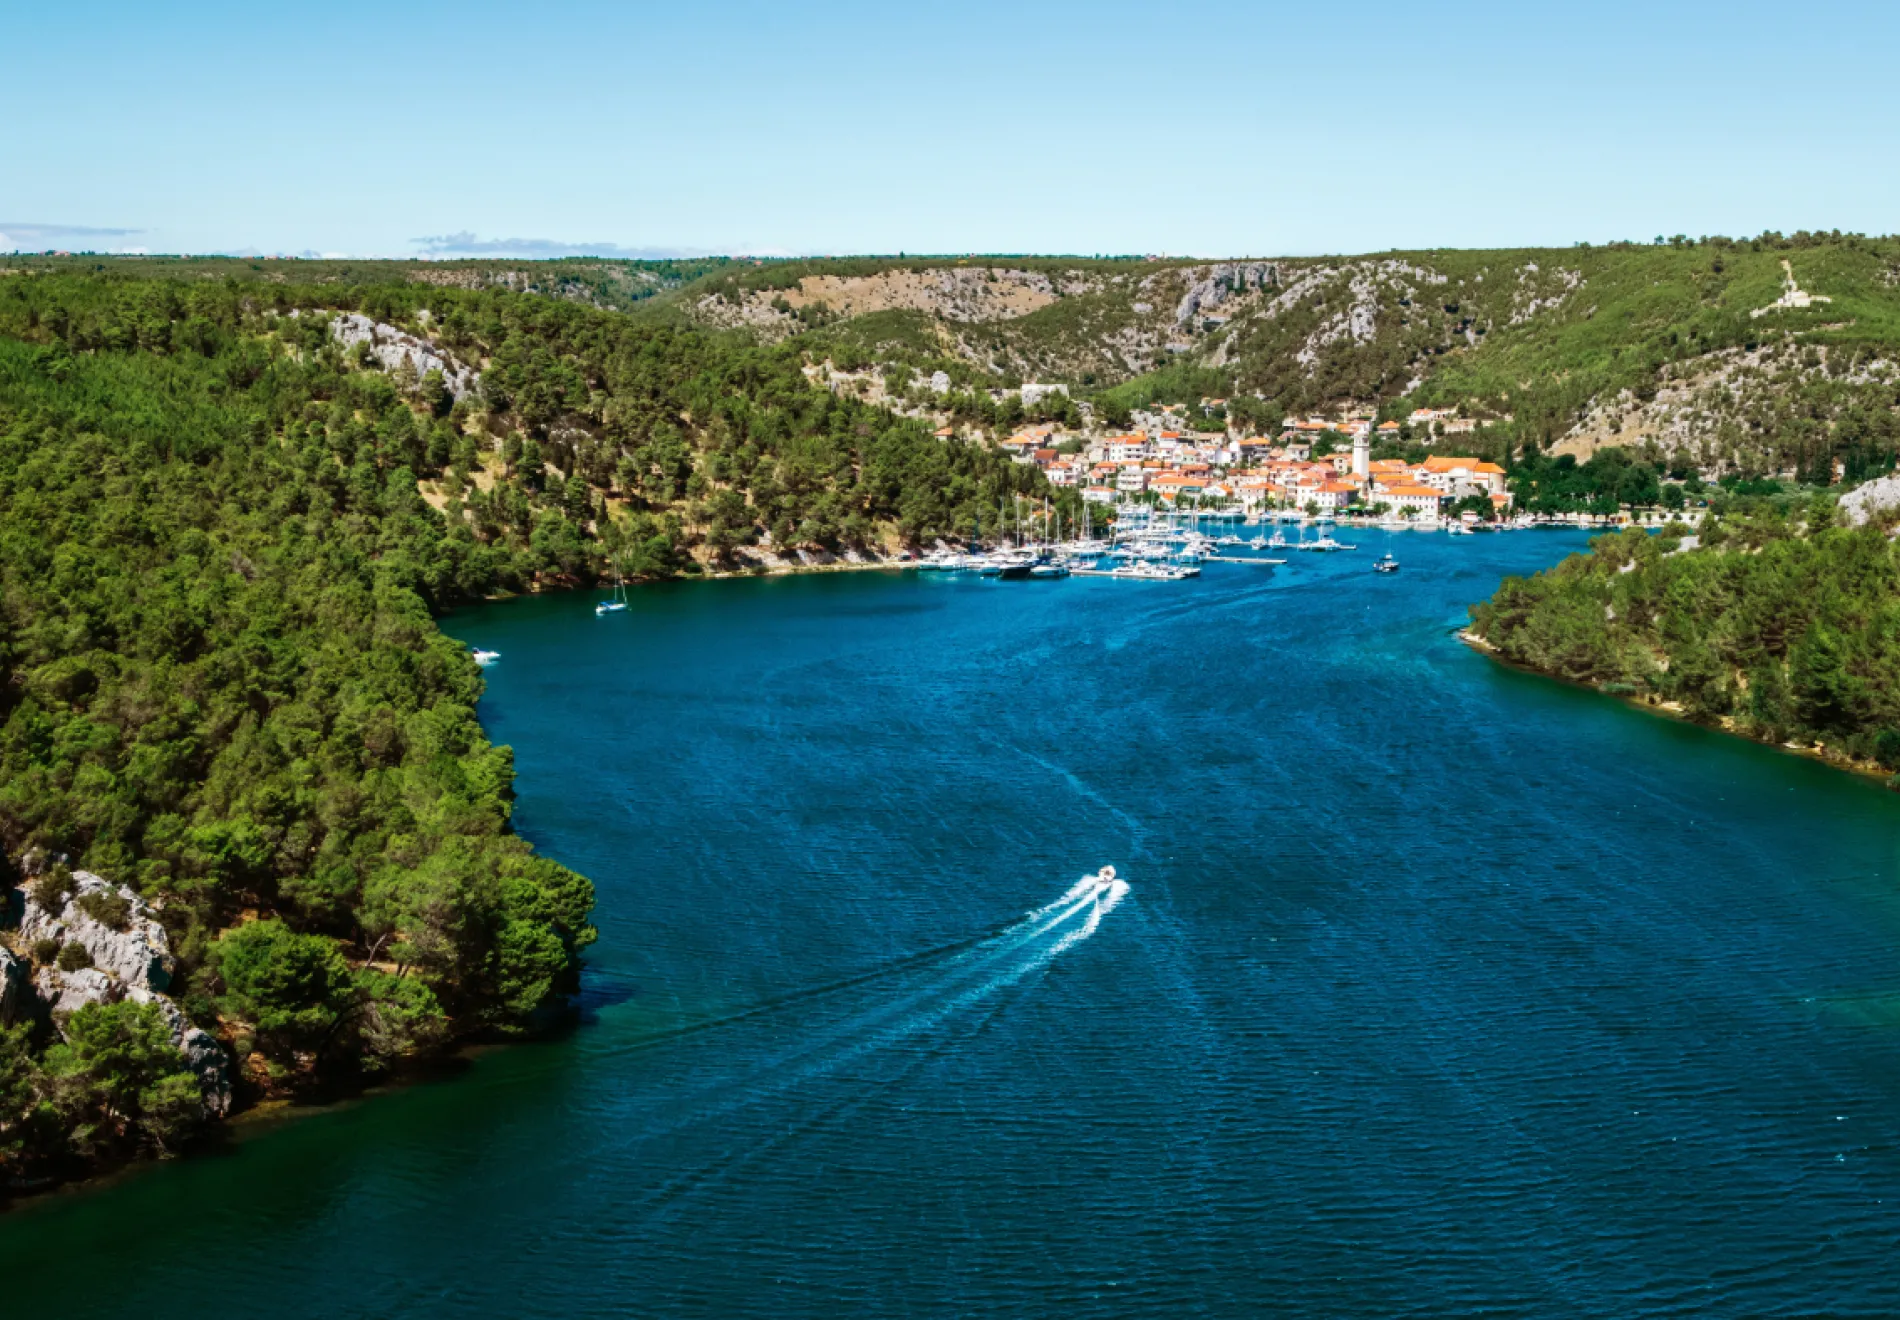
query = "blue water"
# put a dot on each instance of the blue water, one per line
(1436, 989)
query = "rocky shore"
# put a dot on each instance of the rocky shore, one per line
(80, 941)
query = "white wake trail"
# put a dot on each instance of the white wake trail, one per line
(945, 990)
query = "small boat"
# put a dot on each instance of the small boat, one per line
(1386, 565)
(1014, 565)
(1142, 571)
(1049, 570)
(486, 658)
(619, 600)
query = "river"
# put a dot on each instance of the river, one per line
(1436, 988)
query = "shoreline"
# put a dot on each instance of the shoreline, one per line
(1672, 710)
(224, 1136)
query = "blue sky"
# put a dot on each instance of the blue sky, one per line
(1199, 127)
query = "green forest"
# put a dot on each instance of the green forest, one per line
(1781, 625)
(224, 539)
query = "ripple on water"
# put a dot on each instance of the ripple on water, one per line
(1438, 990)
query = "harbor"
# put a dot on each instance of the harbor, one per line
(1150, 545)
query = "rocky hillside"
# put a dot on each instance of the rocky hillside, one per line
(1756, 356)
(1760, 355)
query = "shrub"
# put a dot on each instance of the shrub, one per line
(108, 907)
(1887, 748)
(118, 1062)
(291, 987)
(44, 951)
(74, 957)
(53, 888)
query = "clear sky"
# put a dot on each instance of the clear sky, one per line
(1198, 127)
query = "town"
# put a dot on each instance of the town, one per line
(1317, 467)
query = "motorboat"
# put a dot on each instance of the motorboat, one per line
(1145, 571)
(486, 658)
(1386, 565)
(1049, 570)
(1015, 565)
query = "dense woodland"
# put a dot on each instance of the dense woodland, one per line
(221, 682)
(1781, 625)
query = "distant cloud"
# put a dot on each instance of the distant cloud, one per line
(466, 244)
(32, 236)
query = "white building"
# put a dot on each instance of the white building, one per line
(1423, 501)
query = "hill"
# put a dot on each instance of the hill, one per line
(256, 831)
(1777, 622)
(1773, 354)
(607, 283)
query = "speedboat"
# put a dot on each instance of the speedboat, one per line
(1386, 565)
(486, 658)
(610, 607)
(1015, 565)
(1049, 570)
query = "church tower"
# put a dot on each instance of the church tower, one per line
(1361, 455)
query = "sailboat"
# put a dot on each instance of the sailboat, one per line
(619, 599)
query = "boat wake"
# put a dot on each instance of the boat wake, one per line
(911, 1001)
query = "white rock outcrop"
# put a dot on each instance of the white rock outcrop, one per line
(64, 993)
(1862, 503)
(392, 345)
(134, 963)
(139, 955)
(1206, 293)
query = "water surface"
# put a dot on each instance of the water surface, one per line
(1437, 988)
